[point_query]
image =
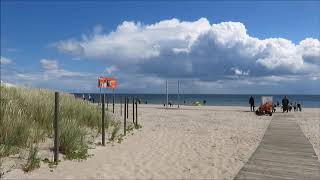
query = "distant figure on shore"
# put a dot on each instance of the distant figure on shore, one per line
(204, 102)
(251, 102)
(295, 106)
(83, 97)
(278, 104)
(90, 98)
(299, 107)
(285, 104)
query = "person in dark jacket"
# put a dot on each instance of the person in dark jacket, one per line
(251, 102)
(285, 104)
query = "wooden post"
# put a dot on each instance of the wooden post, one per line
(124, 117)
(136, 113)
(113, 101)
(56, 127)
(103, 129)
(127, 107)
(133, 110)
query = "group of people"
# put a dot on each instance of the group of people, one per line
(91, 99)
(286, 105)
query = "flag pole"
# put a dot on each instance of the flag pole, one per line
(178, 94)
(167, 92)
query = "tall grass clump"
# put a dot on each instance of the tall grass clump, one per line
(26, 117)
(33, 160)
(72, 140)
(115, 131)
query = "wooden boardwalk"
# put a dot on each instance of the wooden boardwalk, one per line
(284, 153)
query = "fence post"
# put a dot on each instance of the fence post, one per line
(113, 101)
(136, 113)
(103, 113)
(127, 107)
(124, 117)
(56, 127)
(133, 110)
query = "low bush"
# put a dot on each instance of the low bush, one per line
(33, 160)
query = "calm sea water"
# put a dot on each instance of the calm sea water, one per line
(211, 99)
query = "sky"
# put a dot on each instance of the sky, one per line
(229, 47)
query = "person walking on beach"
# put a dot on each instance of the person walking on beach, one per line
(251, 102)
(90, 98)
(285, 104)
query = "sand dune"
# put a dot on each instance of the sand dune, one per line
(189, 143)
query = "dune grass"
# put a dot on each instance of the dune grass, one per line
(26, 117)
(33, 159)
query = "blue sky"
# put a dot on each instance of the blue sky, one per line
(213, 47)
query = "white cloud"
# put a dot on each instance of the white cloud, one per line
(49, 64)
(194, 49)
(52, 70)
(136, 41)
(27, 76)
(5, 61)
(111, 69)
(240, 72)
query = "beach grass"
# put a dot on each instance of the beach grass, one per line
(33, 159)
(26, 116)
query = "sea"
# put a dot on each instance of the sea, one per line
(309, 101)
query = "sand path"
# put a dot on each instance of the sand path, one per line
(190, 143)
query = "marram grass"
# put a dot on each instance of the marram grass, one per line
(26, 117)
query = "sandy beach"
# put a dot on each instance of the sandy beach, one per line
(309, 122)
(209, 142)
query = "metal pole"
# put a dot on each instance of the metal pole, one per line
(56, 126)
(133, 110)
(113, 101)
(103, 130)
(167, 92)
(124, 117)
(178, 94)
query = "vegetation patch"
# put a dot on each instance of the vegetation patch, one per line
(33, 160)
(115, 131)
(26, 117)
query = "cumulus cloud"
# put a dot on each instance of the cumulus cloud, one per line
(5, 61)
(52, 70)
(194, 49)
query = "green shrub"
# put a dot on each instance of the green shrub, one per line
(33, 160)
(115, 131)
(72, 139)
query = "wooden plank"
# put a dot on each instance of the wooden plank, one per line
(283, 153)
